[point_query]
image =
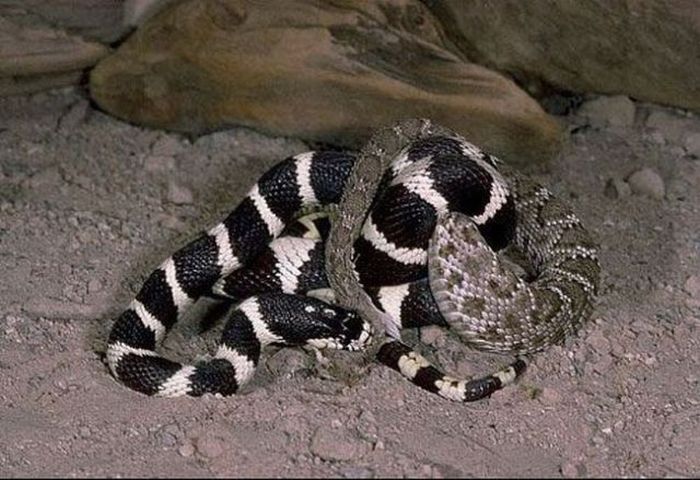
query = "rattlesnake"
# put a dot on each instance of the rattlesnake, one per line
(415, 221)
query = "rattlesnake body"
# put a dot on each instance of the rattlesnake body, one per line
(415, 221)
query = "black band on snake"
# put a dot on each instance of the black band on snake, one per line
(425, 253)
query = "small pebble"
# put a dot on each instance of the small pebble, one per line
(616, 111)
(178, 194)
(672, 127)
(336, 444)
(169, 435)
(171, 222)
(167, 440)
(598, 342)
(617, 188)
(549, 396)
(426, 470)
(286, 362)
(692, 286)
(692, 144)
(647, 182)
(572, 470)
(76, 114)
(186, 450)
(94, 285)
(209, 446)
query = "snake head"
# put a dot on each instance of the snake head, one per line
(336, 327)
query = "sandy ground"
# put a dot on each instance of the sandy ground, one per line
(89, 205)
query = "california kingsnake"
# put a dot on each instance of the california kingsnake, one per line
(424, 255)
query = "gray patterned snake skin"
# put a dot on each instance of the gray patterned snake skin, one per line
(416, 220)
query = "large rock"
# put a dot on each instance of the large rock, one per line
(646, 49)
(323, 71)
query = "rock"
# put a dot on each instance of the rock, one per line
(186, 450)
(598, 342)
(337, 444)
(602, 365)
(178, 194)
(572, 470)
(672, 127)
(168, 437)
(692, 144)
(617, 111)
(286, 362)
(549, 396)
(314, 70)
(94, 285)
(692, 286)
(209, 446)
(171, 222)
(617, 188)
(646, 49)
(647, 182)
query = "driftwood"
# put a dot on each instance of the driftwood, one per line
(95, 20)
(323, 71)
(36, 58)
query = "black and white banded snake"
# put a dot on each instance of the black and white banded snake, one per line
(415, 221)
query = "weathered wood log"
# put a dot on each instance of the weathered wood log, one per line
(645, 49)
(36, 58)
(37, 83)
(322, 71)
(96, 20)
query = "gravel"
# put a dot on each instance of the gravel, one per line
(647, 181)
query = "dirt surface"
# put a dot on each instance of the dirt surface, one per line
(90, 205)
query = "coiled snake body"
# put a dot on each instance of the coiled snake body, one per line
(415, 221)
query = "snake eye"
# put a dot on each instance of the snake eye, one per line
(328, 313)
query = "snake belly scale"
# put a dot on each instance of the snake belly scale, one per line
(422, 251)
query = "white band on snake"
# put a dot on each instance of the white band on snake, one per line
(414, 245)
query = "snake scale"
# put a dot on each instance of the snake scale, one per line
(336, 250)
